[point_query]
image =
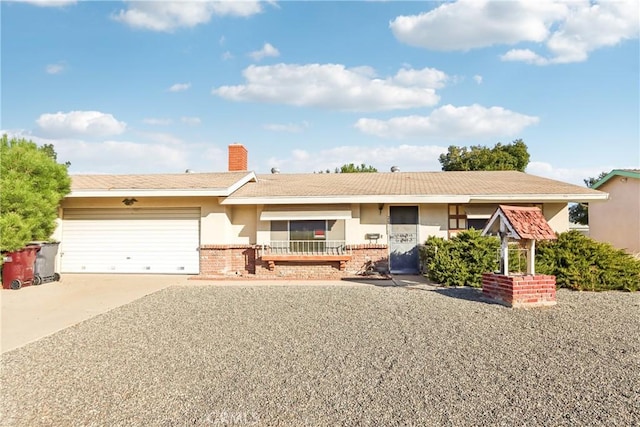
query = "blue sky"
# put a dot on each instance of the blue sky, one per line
(161, 87)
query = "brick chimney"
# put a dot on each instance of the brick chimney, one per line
(237, 158)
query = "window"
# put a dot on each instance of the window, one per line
(457, 217)
(307, 236)
(477, 223)
(307, 230)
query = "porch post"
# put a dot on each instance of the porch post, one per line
(504, 250)
(531, 257)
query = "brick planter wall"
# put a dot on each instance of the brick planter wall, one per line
(244, 260)
(227, 260)
(520, 291)
(326, 269)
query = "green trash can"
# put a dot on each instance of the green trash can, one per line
(45, 267)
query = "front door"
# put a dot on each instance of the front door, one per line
(403, 239)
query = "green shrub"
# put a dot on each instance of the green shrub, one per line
(581, 263)
(460, 260)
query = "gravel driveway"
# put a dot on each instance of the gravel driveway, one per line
(346, 355)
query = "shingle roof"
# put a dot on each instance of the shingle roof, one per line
(184, 181)
(528, 222)
(406, 183)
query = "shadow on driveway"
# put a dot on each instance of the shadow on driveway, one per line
(421, 283)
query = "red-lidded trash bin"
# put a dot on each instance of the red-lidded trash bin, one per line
(17, 269)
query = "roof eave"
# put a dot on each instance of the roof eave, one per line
(301, 200)
(530, 198)
(148, 193)
(616, 172)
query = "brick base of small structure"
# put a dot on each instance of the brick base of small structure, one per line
(520, 291)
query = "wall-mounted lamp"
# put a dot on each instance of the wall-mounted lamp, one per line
(623, 179)
(129, 202)
(380, 207)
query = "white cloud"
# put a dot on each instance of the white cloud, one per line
(55, 68)
(571, 175)
(484, 23)
(157, 121)
(333, 86)
(593, 26)
(449, 122)
(524, 55)
(569, 30)
(267, 51)
(169, 15)
(288, 127)
(227, 55)
(48, 3)
(478, 79)
(191, 121)
(111, 156)
(406, 157)
(164, 138)
(179, 87)
(87, 123)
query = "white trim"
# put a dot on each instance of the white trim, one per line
(148, 193)
(302, 200)
(504, 223)
(306, 212)
(415, 199)
(563, 198)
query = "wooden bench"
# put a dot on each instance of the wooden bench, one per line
(272, 258)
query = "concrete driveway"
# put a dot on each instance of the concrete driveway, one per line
(34, 312)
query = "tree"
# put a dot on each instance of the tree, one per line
(512, 156)
(351, 168)
(32, 185)
(579, 213)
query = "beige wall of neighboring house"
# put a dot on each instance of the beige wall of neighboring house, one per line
(617, 220)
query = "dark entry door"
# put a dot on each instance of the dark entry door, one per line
(403, 239)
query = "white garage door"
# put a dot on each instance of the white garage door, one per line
(130, 241)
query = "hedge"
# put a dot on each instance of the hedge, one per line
(577, 261)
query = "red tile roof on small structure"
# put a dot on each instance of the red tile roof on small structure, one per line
(528, 222)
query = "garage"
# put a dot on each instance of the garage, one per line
(131, 240)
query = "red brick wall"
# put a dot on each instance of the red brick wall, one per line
(521, 290)
(237, 158)
(243, 260)
(379, 254)
(216, 260)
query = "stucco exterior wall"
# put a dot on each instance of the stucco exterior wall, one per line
(243, 225)
(557, 215)
(617, 220)
(433, 221)
(370, 219)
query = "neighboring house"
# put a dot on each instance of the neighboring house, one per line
(617, 221)
(285, 225)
